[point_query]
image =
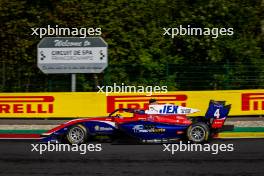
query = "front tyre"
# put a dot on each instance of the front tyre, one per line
(198, 132)
(77, 134)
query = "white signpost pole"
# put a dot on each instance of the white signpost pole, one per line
(73, 82)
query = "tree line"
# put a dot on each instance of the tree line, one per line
(139, 53)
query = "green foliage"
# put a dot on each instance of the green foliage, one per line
(138, 52)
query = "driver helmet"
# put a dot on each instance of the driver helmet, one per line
(153, 101)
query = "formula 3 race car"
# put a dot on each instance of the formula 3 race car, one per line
(159, 124)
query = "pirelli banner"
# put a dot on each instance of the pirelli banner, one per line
(90, 104)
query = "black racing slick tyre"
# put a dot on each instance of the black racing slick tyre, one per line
(198, 132)
(77, 134)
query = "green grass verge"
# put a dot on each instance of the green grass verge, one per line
(246, 129)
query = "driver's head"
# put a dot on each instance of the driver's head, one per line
(153, 101)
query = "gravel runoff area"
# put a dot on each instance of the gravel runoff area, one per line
(17, 124)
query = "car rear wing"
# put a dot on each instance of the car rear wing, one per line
(217, 109)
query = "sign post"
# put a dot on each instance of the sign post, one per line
(73, 82)
(57, 55)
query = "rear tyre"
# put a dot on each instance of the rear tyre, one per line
(198, 132)
(77, 134)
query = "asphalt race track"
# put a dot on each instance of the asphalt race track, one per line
(247, 159)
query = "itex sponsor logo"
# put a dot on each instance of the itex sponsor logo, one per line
(169, 109)
(142, 102)
(252, 101)
(26, 104)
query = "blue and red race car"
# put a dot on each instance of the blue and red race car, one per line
(159, 124)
